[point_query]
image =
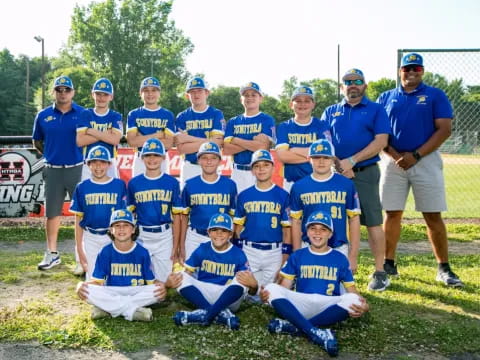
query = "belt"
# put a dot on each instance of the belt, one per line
(242, 167)
(156, 229)
(262, 246)
(62, 166)
(361, 168)
(200, 231)
(96, 231)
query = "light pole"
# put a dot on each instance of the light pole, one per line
(42, 40)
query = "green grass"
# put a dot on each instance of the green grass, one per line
(415, 315)
(462, 183)
(27, 233)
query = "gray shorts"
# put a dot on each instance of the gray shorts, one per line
(366, 183)
(425, 178)
(59, 182)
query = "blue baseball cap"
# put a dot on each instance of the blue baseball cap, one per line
(196, 83)
(122, 215)
(153, 146)
(98, 152)
(302, 90)
(209, 148)
(261, 155)
(250, 86)
(150, 81)
(319, 217)
(103, 85)
(411, 59)
(220, 220)
(63, 81)
(350, 72)
(321, 147)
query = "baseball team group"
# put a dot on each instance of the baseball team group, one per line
(222, 240)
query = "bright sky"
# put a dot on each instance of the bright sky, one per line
(268, 41)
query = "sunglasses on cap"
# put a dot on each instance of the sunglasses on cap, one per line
(63, 90)
(415, 68)
(354, 82)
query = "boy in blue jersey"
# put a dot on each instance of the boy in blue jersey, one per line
(93, 201)
(223, 278)
(331, 193)
(122, 282)
(105, 127)
(202, 197)
(261, 221)
(149, 121)
(251, 131)
(294, 136)
(196, 125)
(316, 302)
(155, 198)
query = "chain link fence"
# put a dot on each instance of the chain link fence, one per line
(457, 72)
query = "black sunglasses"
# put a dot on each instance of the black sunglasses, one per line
(63, 90)
(354, 82)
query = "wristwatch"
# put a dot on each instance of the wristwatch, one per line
(416, 155)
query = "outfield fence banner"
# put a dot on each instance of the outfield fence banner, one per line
(457, 72)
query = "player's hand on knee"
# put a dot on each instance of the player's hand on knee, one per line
(160, 291)
(174, 280)
(357, 310)
(264, 294)
(82, 290)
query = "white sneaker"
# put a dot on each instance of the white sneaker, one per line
(98, 313)
(50, 259)
(143, 314)
(78, 271)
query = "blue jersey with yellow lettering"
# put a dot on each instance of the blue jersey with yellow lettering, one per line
(335, 196)
(318, 273)
(246, 127)
(203, 199)
(216, 267)
(146, 121)
(94, 202)
(154, 199)
(58, 131)
(200, 124)
(412, 115)
(353, 128)
(262, 213)
(111, 120)
(123, 268)
(291, 134)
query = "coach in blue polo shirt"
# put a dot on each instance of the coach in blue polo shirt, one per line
(421, 120)
(54, 136)
(360, 130)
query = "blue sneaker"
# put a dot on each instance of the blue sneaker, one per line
(280, 326)
(229, 319)
(50, 259)
(326, 339)
(182, 318)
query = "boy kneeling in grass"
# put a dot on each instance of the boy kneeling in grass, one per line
(122, 282)
(222, 281)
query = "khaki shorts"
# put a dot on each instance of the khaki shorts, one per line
(366, 184)
(425, 179)
(59, 182)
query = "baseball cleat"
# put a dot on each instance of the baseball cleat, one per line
(324, 338)
(449, 278)
(379, 281)
(391, 270)
(98, 313)
(280, 326)
(50, 259)
(142, 314)
(229, 319)
(78, 271)
(190, 317)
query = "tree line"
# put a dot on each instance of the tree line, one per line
(129, 40)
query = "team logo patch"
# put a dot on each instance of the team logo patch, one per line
(422, 99)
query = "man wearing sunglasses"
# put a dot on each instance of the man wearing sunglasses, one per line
(54, 136)
(421, 120)
(360, 130)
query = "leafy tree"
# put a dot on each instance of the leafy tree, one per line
(129, 40)
(375, 88)
(227, 99)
